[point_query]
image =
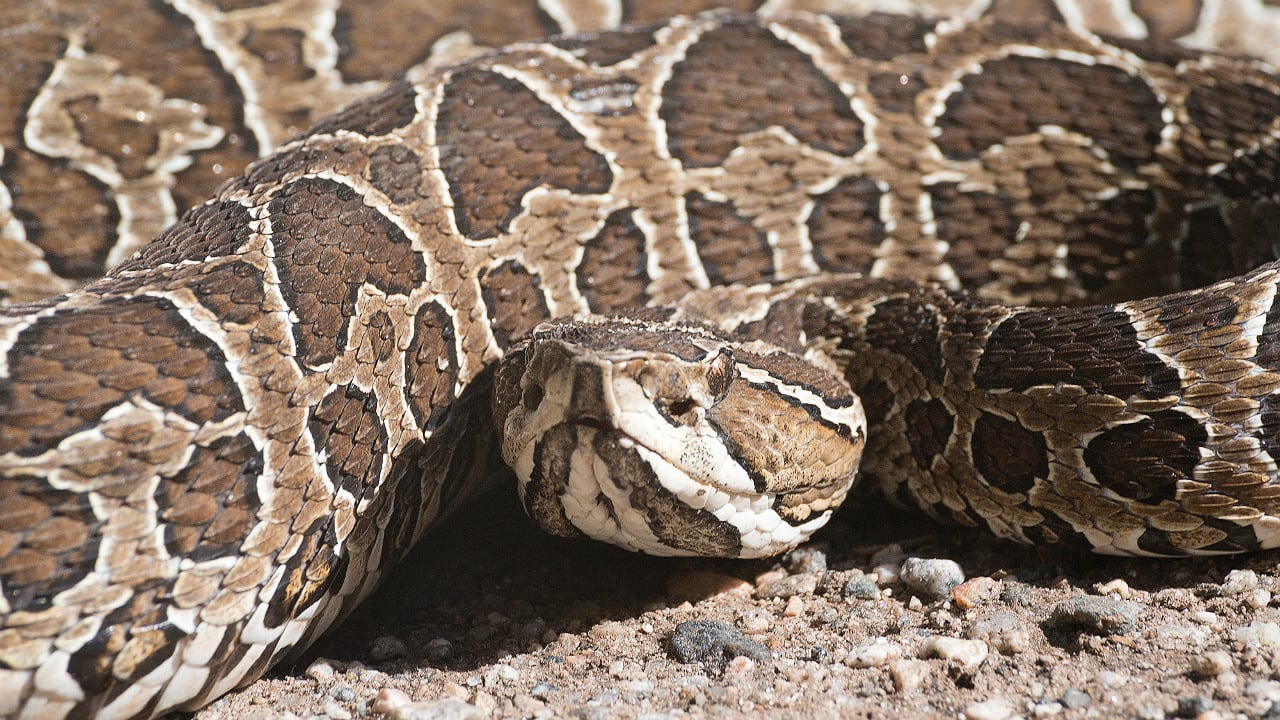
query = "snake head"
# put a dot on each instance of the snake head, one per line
(673, 440)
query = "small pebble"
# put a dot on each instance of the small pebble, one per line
(1263, 689)
(933, 578)
(335, 711)
(700, 584)
(610, 632)
(1074, 699)
(966, 654)
(713, 644)
(755, 622)
(1257, 598)
(1016, 594)
(993, 709)
(1263, 634)
(1046, 709)
(892, 554)
(788, 587)
(1116, 587)
(810, 558)
(1111, 680)
(1003, 631)
(321, 671)
(343, 693)
(860, 587)
(886, 573)
(387, 647)
(1189, 707)
(1239, 582)
(975, 591)
(795, 607)
(907, 675)
(1173, 636)
(438, 649)
(436, 710)
(542, 688)
(1096, 615)
(1212, 663)
(881, 652)
(388, 699)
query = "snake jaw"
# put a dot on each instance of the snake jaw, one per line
(675, 449)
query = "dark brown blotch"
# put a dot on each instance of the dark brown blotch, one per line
(740, 78)
(1009, 456)
(883, 36)
(1231, 114)
(845, 227)
(1016, 96)
(327, 244)
(210, 506)
(431, 365)
(929, 425)
(514, 301)
(1144, 460)
(346, 427)
(977, 227)
(910, 331)
(498, 141)
(215, 229)
(730, 248)
(614, 272)
(1094, 348)
(49, 545)
(69, 368)
(394, 107)
(397, 171)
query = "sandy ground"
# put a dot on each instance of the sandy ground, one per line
(491, 618)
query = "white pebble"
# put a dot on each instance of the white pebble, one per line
(908, 674)
(1117, 587)
(1212, 663)
(320, 670)
(1263, 634)
(1238, 582)
(886, 573)
(993, 709)
(1112, 680)
(881, 652)
(968, 654)
(1046, 709)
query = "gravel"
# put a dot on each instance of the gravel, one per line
(497, 620)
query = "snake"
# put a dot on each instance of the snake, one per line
(688, 278)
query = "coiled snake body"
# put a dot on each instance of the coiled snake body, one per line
(209, 455)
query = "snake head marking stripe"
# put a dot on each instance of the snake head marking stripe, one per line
(673, 440)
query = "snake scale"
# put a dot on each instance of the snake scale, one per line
(1042, 259)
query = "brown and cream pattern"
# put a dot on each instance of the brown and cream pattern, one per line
(210, 454)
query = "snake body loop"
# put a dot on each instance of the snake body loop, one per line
(211, 454)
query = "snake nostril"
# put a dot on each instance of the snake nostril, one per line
(531, 397)
(680, 408)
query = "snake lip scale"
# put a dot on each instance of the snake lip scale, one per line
(788, 241)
